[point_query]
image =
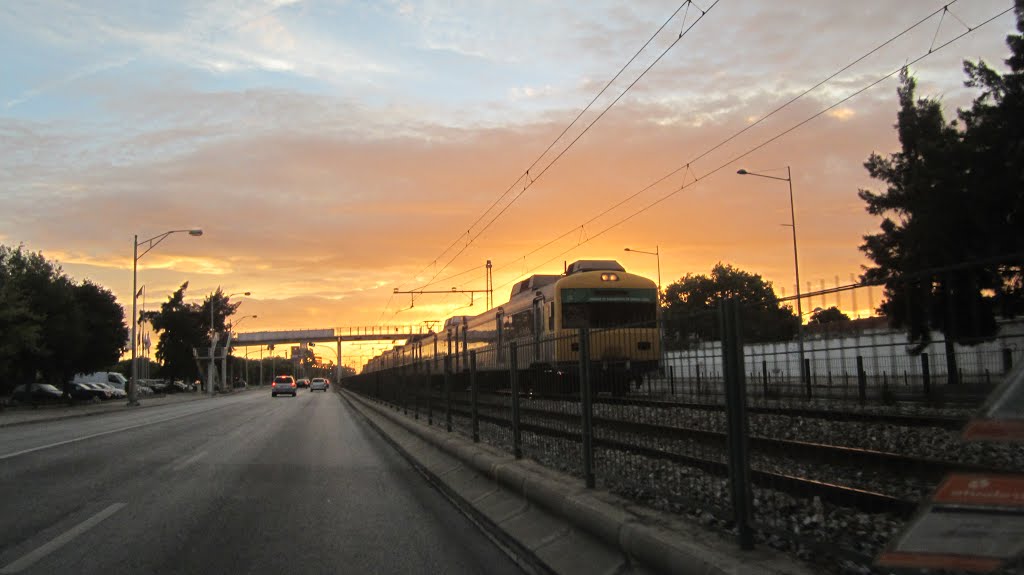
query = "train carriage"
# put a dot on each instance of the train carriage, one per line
(542, 319)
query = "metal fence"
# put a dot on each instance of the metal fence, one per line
(708, 417)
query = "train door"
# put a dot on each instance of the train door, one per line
(500, 329)
(538, 327)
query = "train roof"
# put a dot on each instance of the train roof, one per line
(533, 283)
(594, 266)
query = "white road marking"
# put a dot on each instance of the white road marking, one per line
(57, 542)
(108, 432)
(189, 461)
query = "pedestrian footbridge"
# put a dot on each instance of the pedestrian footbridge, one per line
(334, 334)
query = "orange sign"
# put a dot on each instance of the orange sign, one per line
(978, 489)
(939, 561)
(995, 430)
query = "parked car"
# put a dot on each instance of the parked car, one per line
(318, 384)
(157, 385)
(86, 392)
(283, 385)
(37, 392)
(111, 378)
(115, 393)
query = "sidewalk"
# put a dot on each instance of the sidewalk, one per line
(22, 414)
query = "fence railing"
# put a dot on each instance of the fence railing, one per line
(827, 461)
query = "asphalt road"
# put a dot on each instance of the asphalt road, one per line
(241, 484)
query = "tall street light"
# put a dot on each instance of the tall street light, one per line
(661, 337)
(656, 253)
(337, 359)
(231, 327)
(796, 263)
(150, 244)
(213, 341)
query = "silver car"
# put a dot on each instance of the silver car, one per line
(318, 384)
(283, 385)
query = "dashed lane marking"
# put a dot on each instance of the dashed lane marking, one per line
(59, 541)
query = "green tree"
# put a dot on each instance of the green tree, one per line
(185, 327)
(691, 307)
(830, 315)
(103, 321)
(949, 250)
(51, 327)
(20, 324)
(181, 329)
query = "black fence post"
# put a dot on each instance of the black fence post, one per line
(807, 375)
(926, 375)
(403, 396)
(862, 381)
(586, 407)
(448, 393)
(473, 396)
(738, 426)
(430, 392)
(513, 366)
(671, 380)
(414, 385)
(1007, 360)
(764, 377)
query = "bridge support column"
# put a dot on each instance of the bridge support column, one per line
(337, 369)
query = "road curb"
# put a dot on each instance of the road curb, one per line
(145, 404)
(657, 540)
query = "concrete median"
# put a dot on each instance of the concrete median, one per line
(631, 539)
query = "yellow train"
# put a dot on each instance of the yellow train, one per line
(542, 320)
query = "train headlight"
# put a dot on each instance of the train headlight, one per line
(609, 277)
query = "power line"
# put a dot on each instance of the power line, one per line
(735, 135)
(764, 143)
(530, 180)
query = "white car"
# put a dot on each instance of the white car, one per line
(318, 383)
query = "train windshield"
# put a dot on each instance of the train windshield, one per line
(603, 308)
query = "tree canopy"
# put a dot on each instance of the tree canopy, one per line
(829, 315)
(185, 326)
(691, 303)
(950, 247)
(50, 327)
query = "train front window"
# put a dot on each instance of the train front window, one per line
(603, 308)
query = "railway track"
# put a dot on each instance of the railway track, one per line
(862, 499)
(940, 421)
(565, 426)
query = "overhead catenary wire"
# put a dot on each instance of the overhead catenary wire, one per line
(532, 179)
(931, 50)
(742, 131)
(468, 233)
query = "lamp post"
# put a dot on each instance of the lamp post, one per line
(337, 360)
(661, 337)
(656, 253)
(150, 244)
(231, 327)
(213, 341)
(796, 263)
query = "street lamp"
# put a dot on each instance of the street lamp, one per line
(656, 254)
(150, 244)
(796, 263)
(235, 325)
(213, 344)
(337, 361)
(661, 336)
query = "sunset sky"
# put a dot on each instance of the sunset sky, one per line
(331, 151)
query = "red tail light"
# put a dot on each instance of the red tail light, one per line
(274, 384)
(293, 385)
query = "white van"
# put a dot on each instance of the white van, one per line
(111, 378)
